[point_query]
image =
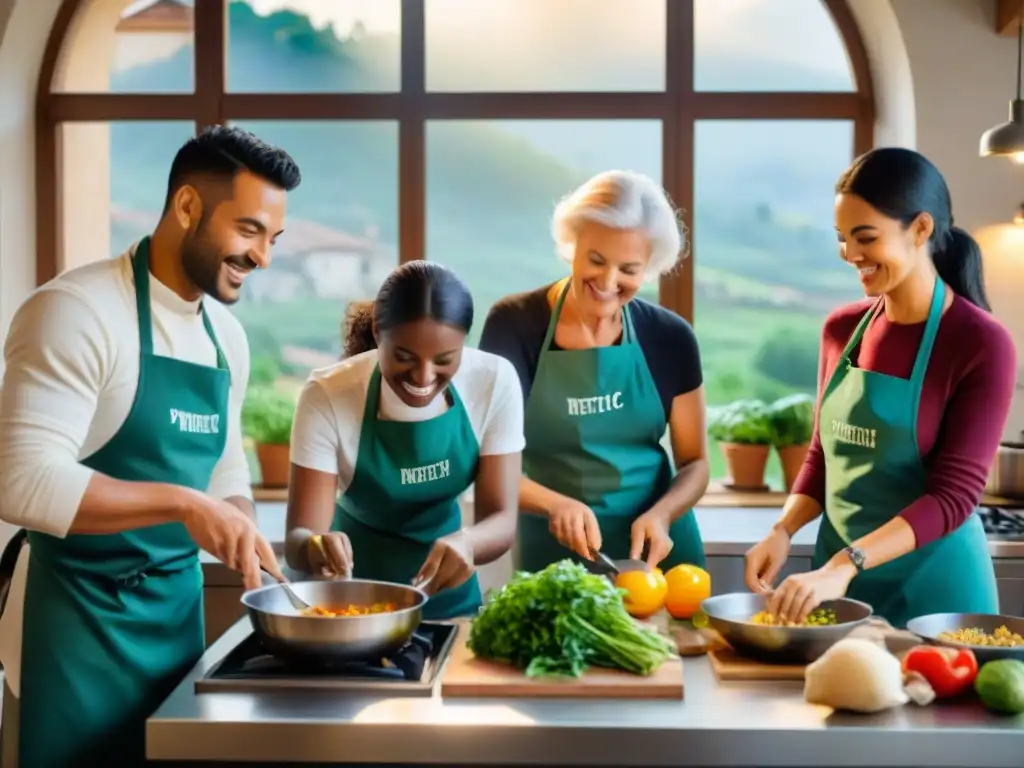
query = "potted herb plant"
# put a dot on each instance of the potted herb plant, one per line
(792, 420)
(267, 420)
(743, 431)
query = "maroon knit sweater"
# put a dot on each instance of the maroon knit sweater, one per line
(964, 404)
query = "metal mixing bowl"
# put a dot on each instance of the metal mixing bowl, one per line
(730, 616)
(288, 634)
(928, 628)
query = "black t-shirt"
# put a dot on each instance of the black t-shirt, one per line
(516, 325)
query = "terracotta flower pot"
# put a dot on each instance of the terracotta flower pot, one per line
(792, 459)
(746, 465)
(275, 465)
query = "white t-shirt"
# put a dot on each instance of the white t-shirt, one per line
(72, 370)
(329, 415)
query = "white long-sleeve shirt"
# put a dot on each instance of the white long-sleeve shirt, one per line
(72, 370)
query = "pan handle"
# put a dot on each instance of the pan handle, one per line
(421, 584)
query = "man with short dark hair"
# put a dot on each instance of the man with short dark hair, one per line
(121, 454)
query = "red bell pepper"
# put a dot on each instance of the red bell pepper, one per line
(949, 671)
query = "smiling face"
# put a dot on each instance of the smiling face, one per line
(226, 243)
(608, 268)
(883, 250)
(419, 359)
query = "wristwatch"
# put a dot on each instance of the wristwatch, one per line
(857, 557)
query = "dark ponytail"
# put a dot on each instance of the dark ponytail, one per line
(958, 262)
(414, 291)
(902, 184)
(358, 329)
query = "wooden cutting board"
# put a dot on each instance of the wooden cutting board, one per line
(466, 676)
(725, 662)
(727, 666)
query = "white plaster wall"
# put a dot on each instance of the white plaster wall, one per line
(964, 77)
(24, 28)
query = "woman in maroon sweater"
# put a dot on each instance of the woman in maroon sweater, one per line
(914, 389)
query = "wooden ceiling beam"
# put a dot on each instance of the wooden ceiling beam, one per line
(1007, 17)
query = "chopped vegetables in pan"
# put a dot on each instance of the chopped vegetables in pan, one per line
(1000, 637)
(817, 618)
(349, 610)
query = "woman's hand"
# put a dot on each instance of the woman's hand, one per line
(574, 526)
(331, 554)
(449, 564)
(650, 528)
(765, 559)
(801, 593)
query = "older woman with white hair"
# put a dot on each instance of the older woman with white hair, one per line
(603, 374)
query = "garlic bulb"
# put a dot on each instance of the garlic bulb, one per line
(855, 675)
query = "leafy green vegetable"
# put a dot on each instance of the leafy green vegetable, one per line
(559, 621)
(742, 421)
(792, 420)
(267, 415)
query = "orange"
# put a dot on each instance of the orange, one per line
(688, 586)
(645, 592)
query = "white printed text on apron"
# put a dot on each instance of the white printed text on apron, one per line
(425, 474)
(587, 406)
(848, 433)
(201, 423)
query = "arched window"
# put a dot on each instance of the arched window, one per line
(445, 129)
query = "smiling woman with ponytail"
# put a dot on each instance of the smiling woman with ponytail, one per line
(915, 388)
(387, 440)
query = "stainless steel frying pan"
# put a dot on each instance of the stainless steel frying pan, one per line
(929, 627)
(290, 635)
(730, 615)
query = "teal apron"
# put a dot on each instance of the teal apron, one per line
(404, 496)
(873, 470)
(594, 422)
(112, 622)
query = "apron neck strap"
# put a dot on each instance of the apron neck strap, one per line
(628, 332)
(372, 396)
(862, 326)
(140, 271)
(931, 330)
(222, 361)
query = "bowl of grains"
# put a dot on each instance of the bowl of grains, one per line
(989, 635)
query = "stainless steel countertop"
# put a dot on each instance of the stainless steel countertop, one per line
(725, 530)
(733, 724)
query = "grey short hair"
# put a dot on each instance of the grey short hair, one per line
(623, 200)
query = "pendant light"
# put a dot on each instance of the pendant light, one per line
(1007, 139)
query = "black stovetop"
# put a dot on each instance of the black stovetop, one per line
(412, 670)
(1005, 523)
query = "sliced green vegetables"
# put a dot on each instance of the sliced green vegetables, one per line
(559, 621)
